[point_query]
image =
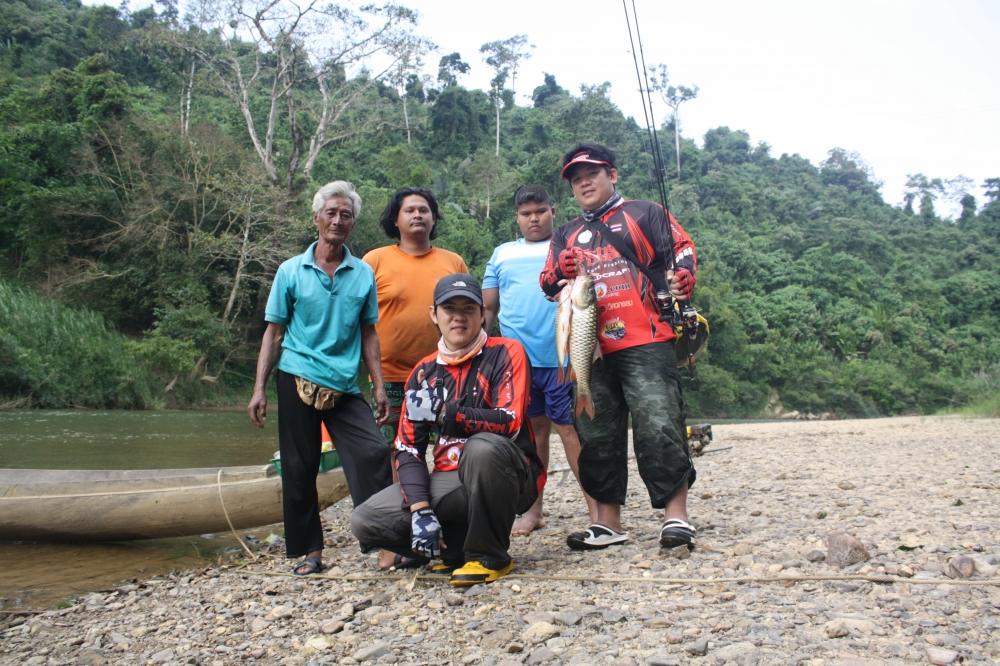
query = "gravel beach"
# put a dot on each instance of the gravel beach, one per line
(820, 542)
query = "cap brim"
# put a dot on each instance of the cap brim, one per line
(583, 159)
(459, 291)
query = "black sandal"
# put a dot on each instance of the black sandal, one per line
(676, 532)
(308, 566)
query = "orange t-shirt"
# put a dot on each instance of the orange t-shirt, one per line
(405, 285)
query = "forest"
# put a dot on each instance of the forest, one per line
(156, 168)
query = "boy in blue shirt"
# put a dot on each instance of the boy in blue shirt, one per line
(510, 290)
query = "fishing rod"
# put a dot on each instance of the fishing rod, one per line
(683, 317)
(647, 111)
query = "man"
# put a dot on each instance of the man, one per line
(405, 275)
(510, 290)
(321, 316)
(472, 392)
(636, 375)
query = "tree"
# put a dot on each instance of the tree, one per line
(673, 96)
(504, 56)
(296, 47)
(449, 68)
(408, 54)
(928, 190)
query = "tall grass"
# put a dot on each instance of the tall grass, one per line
(55, 356)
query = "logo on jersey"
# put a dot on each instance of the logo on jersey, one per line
(614, 329)
(584, 236)
(453, 454)
(600, 289)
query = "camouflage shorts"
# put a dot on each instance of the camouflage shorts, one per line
(641, 382)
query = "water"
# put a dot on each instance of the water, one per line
(42, 575)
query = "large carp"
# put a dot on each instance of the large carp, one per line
(576, 335)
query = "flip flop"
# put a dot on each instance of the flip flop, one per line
(308, 566)
(595, 537)
(676, 532)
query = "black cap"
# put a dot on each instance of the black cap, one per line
(458, 284)
(587, 153)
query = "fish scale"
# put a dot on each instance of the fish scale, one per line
(576, 336)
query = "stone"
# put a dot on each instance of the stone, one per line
(735, 652)
(259, 624)
(567, 618)
(961, 566)
(280, 612)
(843, 550)
(318, 644)
(698, 648)
(539, 632)
(941, 656)
(661, 660)
(540, 656)
(371, 652)
(331, 626)
(815, 555)
(163, 656)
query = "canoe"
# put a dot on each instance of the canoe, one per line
(113, 505)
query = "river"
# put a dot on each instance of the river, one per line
(38, 575)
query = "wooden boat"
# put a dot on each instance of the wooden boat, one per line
(111, 505)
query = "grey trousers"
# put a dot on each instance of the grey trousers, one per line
(476, 505)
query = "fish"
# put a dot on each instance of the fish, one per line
(583, 338)
(564, 314)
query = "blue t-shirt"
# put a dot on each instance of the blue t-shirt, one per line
(323, 318)
(525, 314)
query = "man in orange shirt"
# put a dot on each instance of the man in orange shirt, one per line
(405, 275)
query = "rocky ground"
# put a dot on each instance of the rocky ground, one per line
(824, 542)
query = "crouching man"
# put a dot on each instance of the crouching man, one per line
(473, 394)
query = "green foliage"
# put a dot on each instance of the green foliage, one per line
(52, 356)
(133, 189)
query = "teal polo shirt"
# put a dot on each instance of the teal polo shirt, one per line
(323, 318)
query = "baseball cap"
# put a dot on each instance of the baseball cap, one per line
(588, 153)
(458, 284)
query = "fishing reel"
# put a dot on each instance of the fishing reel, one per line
(691, 329)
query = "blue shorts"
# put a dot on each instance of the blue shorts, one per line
(550, 398)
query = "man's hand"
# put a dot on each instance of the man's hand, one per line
(425, 533)
(257, 409)
(569, 262)
(381, 404)
(681, 284)
(424, 404)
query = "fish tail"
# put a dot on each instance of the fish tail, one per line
(584, 403)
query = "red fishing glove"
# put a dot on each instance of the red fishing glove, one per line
(682, 284)
(569, 261)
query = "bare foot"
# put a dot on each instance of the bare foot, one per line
(527, 523)
(386, 559)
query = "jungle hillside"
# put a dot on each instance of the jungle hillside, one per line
(155, 169)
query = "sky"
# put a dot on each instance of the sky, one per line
(909, 85)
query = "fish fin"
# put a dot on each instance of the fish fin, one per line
(561, 375)
(572, 374)
(585, 404)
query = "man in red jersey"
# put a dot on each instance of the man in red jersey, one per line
(636, 375)
(473, 392)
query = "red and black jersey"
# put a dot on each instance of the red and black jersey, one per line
(628, 314)
(496, 402)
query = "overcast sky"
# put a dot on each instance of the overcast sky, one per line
(910, 85)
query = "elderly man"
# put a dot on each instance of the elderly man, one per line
(321, 317)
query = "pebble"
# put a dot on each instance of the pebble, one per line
(749, 523)
(843, 549)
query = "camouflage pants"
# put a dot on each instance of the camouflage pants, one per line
(642, 382)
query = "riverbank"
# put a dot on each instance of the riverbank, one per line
(920, 494)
